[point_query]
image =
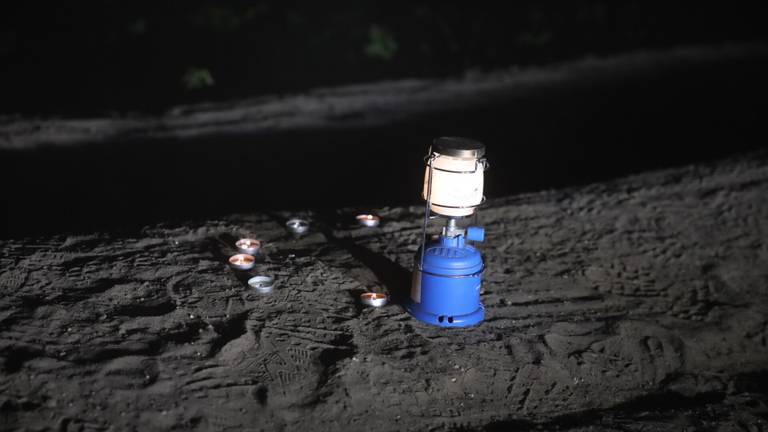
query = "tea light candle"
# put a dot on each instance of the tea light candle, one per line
(297, 226)
(373, 299)
(242, 261)
(248, 246)
(262, 284)
(368, 220)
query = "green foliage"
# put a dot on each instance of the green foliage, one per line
(534, 39)
(196, 78)
(138, 27)
(217, 18)
(381, 44)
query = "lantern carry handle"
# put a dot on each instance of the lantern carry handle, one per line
(427, 210)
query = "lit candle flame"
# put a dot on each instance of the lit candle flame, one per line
(241, 260)
(368, 219)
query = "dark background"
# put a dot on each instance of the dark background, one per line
(119, 58)
(82, 58)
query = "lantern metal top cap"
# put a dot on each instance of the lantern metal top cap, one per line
(458, 147)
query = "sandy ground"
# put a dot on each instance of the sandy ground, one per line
(638, 304)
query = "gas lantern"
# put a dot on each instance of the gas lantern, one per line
(445, 290)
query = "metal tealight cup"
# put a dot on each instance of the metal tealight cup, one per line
(374, 299)
(242, 261)
(368, 220)
(297, 226)
(262, 284)
(248, 246)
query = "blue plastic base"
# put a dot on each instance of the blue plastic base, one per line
(467, 320)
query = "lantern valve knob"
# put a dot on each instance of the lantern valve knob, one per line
(475, 234)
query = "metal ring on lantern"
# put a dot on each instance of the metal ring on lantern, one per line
(475, 274)
(461, 207)
(428, 161)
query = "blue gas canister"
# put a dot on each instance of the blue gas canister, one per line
(446, 288)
